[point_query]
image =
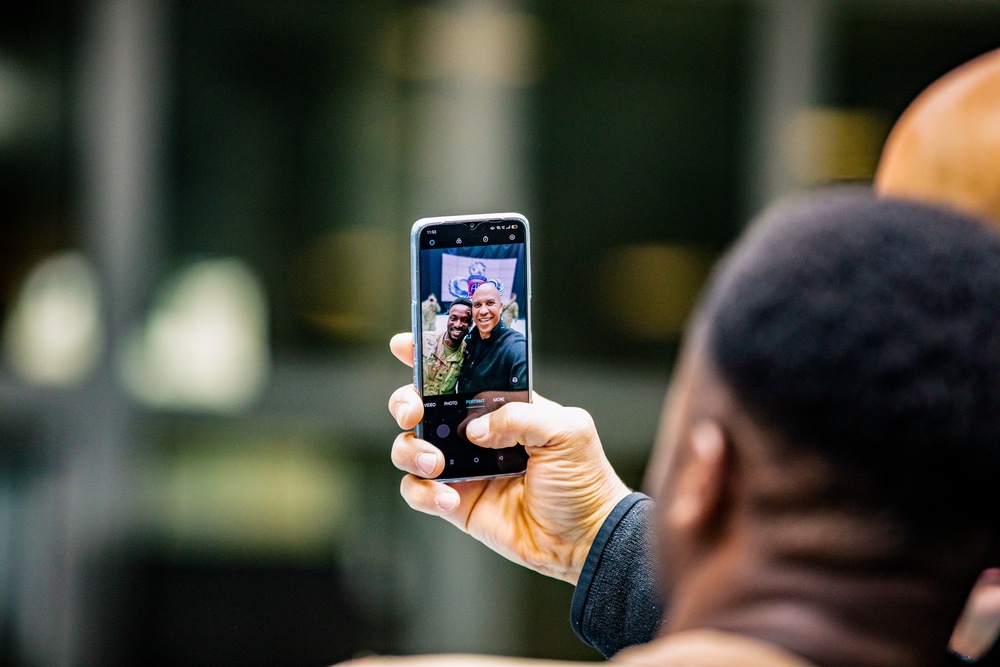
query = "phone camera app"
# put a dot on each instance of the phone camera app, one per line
(462, 373)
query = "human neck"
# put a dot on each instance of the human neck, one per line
(833, 616)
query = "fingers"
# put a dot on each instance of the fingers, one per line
(405, 404)
(402, 347)
(421, 459)
(417, 457)
(532, 425)
(406, 407)
(428, 496)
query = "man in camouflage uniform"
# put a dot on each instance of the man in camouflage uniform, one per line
(443, 351)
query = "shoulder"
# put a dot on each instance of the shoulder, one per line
(430, 340)
(513, 341)
(513, 336)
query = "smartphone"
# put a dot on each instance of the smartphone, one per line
(471, 293)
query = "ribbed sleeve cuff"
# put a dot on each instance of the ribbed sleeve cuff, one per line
(615, 604)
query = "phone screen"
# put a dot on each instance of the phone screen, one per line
(472, 339)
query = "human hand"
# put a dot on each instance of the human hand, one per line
(546, 519)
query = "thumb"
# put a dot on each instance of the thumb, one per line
(532, 425)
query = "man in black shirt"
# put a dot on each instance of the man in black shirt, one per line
(496, 356)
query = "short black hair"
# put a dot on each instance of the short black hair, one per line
(460, 301)
(868, 330)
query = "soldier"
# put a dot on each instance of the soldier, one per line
(443, 351)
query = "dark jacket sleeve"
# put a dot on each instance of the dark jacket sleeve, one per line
(519, 365)
(615, 604)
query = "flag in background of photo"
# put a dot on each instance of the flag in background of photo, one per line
(458, 266)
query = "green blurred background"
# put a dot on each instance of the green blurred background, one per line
(204, 217)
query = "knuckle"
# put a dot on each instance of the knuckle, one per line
(510, 420)
(400, 452)
(577, 421)
(395, 399)
(500, 419)
(416, 493)
(515, 412)
(406, 491)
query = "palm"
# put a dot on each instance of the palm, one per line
(547, 518)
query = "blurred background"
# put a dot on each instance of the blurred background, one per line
(204, 218)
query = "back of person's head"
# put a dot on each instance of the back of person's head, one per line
(867, 331)
(945, 148)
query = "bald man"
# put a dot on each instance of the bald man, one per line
(496, 356)
(945, 148)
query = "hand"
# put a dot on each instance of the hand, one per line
(546, 519)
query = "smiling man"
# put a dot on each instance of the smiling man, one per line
(496, 356)
(443, 351)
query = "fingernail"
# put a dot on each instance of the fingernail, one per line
(478, 428)
(401, 412)
(447, 500)
(426, 462)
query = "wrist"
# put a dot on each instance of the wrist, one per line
(610, 497)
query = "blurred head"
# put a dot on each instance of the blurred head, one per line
(459, 321)
(945, 148)
(838, 400)
(486, 307)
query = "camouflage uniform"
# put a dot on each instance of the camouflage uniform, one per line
(441, 364)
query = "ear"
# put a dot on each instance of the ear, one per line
(701, 482)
